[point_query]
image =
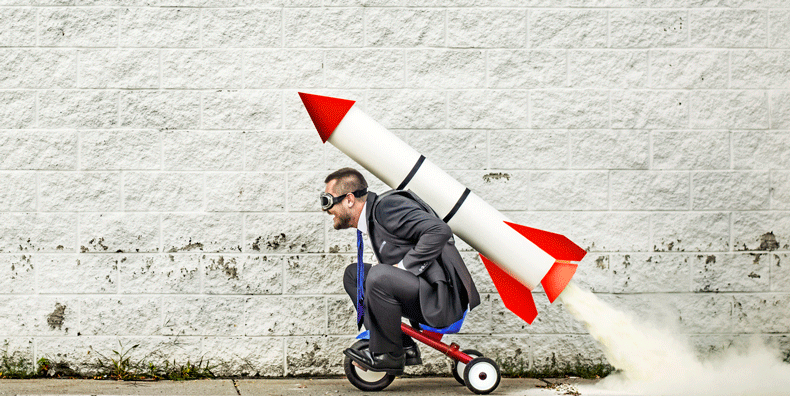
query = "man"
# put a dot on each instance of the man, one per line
(420, 274)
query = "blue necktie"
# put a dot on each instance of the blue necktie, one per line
(360, 281)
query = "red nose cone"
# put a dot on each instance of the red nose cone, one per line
(326, 112)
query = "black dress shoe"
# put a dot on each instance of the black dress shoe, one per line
(412, 354)
(377, 361)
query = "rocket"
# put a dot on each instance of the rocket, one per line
(517, 257)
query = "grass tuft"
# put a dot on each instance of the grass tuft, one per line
(121, 366)
(15, 366)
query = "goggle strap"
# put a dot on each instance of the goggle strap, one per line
(360, 192)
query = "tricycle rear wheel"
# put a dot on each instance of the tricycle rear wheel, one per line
(458, 367)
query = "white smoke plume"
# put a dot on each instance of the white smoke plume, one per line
(656, 362)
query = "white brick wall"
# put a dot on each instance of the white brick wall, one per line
(159, 172)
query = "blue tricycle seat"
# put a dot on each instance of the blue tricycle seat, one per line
(451, 329)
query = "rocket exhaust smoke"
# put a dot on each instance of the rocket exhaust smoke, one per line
(654, 362)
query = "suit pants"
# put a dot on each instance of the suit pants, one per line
(390, 294)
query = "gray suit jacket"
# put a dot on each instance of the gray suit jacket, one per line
(404, 228)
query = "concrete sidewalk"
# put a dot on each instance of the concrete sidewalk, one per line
(288, 387)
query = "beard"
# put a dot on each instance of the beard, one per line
(342, 221)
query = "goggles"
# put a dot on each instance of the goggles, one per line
(328, 200)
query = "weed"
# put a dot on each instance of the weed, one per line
(43, 366)
(188, 371)
(121, 366)
(15, 366)
(152, 370)
(513, 367)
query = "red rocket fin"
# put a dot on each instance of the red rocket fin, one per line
(561, 249)
(556, 245)
(557, 278)
(516, 297)
(326, 112)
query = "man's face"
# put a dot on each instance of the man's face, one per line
(341, 211)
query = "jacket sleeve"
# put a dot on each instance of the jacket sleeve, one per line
(405, 218)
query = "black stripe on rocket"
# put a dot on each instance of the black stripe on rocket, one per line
(457, 206)
(411, 174)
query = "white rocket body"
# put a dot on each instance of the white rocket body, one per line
(518, 258)
(480, 225)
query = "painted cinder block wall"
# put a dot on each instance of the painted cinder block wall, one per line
(159, 174)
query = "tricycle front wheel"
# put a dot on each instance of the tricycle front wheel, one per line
(482, 375)
(368, 381)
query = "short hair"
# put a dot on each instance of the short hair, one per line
(348, 181)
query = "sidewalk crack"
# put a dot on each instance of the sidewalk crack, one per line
(236, 385)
